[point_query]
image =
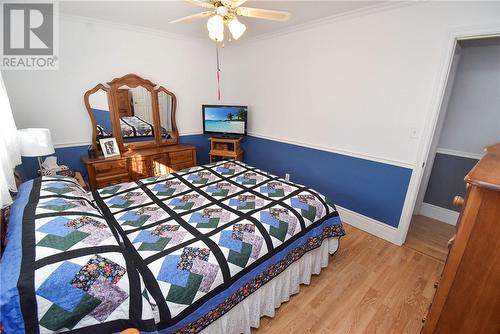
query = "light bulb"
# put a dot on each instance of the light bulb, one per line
(218, 37)
(215, 26)
(236, 28)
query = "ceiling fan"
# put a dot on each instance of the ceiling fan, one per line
(226, 12)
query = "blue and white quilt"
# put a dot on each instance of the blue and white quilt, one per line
(165, 254)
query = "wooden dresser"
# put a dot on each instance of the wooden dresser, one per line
(138, 164)
(467, 299)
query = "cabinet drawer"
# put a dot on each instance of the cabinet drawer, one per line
(178, 167)
(110, 168)
(181, 157)
(112, 180)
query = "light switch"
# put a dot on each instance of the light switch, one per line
(414, 133)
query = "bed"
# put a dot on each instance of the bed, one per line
(210, 248)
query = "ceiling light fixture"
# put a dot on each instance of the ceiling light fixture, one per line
(236, 28)
(225, 12)
(215, 26)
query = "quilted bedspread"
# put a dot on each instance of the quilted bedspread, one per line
(164, 254)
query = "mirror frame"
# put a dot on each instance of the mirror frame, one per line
(86, 98)
(132, 81)
(175, 131)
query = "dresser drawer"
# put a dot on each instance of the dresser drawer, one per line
(178, 167)
(110, 168)
(103, 182)
(181, 157)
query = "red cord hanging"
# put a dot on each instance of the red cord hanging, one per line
(218, 71)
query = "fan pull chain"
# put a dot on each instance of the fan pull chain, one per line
(218, 71)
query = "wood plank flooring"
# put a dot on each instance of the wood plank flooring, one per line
(370, 286)
(429, 236)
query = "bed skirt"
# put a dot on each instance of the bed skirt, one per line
(269, 297)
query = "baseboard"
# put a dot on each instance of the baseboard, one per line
(445, 215)
(369, 225)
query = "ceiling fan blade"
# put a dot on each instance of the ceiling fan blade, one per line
(193, 17)
(202, 3)
(233, 3)
(265, 14)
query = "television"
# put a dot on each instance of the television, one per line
(225, 121)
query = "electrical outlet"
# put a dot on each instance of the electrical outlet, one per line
(287, 176)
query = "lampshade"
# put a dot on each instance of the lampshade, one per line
(215, 26)
(35, 142)
(236, 28)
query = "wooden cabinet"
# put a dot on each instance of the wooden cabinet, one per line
(225, 148)
(159, 164)
(468, 296)
(138, 164)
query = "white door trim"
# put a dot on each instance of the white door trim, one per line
(461, 33)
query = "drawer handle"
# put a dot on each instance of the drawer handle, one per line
(458, 201)
(451, 241)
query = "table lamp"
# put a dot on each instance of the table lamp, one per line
(35, 142)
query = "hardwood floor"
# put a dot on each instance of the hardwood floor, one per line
(429, 236)
(370, 286)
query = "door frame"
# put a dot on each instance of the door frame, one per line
(463, 33)
(439, 129)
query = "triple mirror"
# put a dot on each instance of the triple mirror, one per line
(134, 111)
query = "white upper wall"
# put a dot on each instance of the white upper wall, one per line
(96, 53)
(473, 116)
(357, 84)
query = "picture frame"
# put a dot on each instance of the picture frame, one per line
(109, 147)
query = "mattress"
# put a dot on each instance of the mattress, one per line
(165, 254)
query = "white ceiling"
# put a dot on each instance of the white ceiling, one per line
(157, 14)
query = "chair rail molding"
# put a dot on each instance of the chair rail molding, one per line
(350, 153)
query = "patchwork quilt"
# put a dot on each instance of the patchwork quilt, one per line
(164, 254)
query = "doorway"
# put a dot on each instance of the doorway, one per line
(468, 121)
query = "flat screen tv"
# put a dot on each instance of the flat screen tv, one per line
(225, 121)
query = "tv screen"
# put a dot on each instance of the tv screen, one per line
(226, 120)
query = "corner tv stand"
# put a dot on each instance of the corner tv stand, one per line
(225, 148)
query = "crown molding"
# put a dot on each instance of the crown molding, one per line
(351, 14)
(130, 27)
(348, 15)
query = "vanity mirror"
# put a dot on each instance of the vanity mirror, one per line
(141, 117)
(135, 109)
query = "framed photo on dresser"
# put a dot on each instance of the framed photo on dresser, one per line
(109, 147)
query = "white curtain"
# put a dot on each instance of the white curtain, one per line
(10, 156)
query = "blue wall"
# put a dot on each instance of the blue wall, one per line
(447, 180)
(69, 156)
(373, 189)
